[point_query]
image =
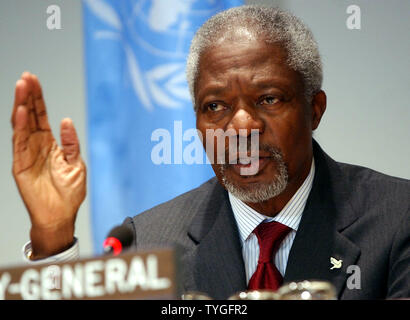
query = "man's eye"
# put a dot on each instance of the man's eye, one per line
(269, 100)
(215, 107)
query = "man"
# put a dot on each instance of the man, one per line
(254, 71)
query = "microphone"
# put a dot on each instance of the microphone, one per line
(119, 238)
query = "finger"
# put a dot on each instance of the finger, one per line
(20, 98)
(69, 141)
(23, 97)
(21, 119)
(20, 139)
(39, 104)
(30, 102)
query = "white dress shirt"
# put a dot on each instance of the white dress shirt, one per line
(248, 219)
(71, 254)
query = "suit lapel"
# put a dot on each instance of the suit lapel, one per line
(216, 261)
(320, 233)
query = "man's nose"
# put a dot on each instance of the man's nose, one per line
(245, 121)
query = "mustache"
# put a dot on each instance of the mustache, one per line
(239, 154)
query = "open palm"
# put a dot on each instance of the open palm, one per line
(51, 179)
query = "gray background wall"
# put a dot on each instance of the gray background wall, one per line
(366, 78)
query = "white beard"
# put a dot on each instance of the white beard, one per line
(262, 191)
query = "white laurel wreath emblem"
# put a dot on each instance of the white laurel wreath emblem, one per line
(164, 84)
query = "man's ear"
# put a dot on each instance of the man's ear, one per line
(318, 108)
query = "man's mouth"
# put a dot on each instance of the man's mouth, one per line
(246, 157)
(249, 166)
(252, 161)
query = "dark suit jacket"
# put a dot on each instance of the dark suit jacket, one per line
(352, 213)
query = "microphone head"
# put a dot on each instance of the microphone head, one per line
(123, 234)
(120, 237)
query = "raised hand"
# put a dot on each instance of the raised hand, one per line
(51, 179)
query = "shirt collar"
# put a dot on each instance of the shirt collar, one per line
(248, 219)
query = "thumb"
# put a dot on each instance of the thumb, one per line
(69, 141)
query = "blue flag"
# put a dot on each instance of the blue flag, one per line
(143, 149)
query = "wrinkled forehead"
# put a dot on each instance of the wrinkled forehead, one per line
(243, 49)
(251, 62)
(241, 52)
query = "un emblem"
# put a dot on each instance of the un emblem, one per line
(155, 36)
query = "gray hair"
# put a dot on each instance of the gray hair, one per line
(271, 24)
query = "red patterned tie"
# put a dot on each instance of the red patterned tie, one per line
(267, 276)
